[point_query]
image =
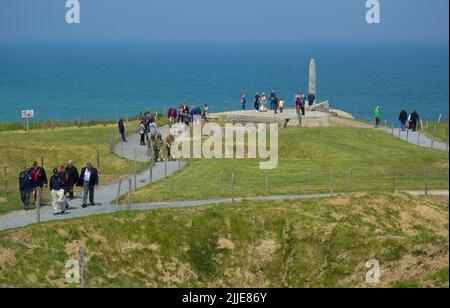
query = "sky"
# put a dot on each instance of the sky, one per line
(297, 20)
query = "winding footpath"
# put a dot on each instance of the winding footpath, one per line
(131, 150)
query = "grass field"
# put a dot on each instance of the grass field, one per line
(440, 131)
(57, 146)
(307, 158)
(308, 243)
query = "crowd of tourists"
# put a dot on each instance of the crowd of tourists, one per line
(263, 104)
(33, 180)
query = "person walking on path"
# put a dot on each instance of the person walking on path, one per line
(414, 120)
(121, 127)
(244, 100)
(257, 101)
(403, 117)
(25, 187)
(57, 192)
(39, 178)
(72, 177)
(168, 144)
(142, 132)
(276, 103)
(159, 148)
(377, 114)
(89, 181)
(172, 115)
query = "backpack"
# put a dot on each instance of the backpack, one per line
(153, 130)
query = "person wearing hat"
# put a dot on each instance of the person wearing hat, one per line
(89, 181)
(57, 184)
(72, 177)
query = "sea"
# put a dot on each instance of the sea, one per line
(103, 80)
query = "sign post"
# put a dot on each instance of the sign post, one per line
(26, 115)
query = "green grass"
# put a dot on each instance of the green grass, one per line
(307, 157)
(52, 124)
(57, 146)
(440, 131)
(307, 243)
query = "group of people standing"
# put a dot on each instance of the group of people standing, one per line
(411, 121)
(186, 115)
(61, 185)
(260, 102)
(275, 103)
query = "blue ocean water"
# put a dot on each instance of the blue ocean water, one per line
(66, 80)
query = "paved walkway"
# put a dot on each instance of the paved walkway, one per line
(21, 219)
(104, 195)
(418, 138)
(131, 150)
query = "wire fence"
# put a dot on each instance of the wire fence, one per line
(243, 184)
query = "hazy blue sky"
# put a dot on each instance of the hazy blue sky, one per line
(225, 19)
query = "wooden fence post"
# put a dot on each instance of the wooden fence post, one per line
(82, 269)
(135, 175)
(220, 186)
(309, 181)
(165, 168)
(129, 195)
(38, 193)
(171, 187)
(111, 143)
(118, 189)
(331, 183)
(6, 178)
(98, 161)
(442, 176)
(232, 187)
(350, 179)
(394, 181)
(433, 137)
(150, 174)
(426, 180)
(267, 182)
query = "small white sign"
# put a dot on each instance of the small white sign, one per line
(26, 114)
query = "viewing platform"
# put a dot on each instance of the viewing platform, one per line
(289, 117)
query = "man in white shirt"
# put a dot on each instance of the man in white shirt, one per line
(89, 181)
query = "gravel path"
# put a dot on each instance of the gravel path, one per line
(21, 219)
(105, 195)
(418, 138)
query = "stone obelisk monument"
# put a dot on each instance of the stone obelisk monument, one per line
(312, 77)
